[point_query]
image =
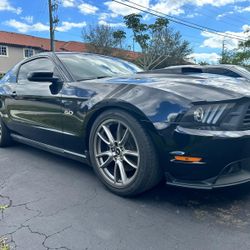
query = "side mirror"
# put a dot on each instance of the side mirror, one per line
(43, 77)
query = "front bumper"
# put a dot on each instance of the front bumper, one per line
(234, 174)
(225, 158)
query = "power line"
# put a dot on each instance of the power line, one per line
(41, 13)
(222, 21)
(217, 13)
(194, 25)
(229, 18)
(177, 20)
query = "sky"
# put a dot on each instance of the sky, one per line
(228, 17)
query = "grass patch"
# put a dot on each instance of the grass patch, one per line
(3, 207)
(3, 244)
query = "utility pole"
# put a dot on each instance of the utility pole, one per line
(53, 21)
(223, 51)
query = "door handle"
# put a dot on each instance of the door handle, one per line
(14, 94)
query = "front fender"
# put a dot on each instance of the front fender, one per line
(153, 104)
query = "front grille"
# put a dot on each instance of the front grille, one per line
(246, 120)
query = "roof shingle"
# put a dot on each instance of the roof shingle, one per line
(38, 42)
(44, 44)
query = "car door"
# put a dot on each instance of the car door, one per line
(35, 111)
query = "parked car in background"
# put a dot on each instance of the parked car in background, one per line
(134, 129)
(226, 70)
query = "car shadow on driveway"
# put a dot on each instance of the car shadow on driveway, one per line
(181, 196)
(162, 193)
(56, 202)
(227, 206)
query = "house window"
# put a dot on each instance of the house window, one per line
(3, 50)
(28, 52)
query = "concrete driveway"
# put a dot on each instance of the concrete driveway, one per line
(49, 202)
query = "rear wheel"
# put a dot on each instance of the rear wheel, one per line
(123, 154)
(5, 139)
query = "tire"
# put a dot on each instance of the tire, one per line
(126, 161)
(5, 139)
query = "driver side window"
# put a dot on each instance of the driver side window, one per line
(40, 64)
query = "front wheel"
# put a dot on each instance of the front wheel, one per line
(122, 154)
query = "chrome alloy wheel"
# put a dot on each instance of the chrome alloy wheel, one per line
(116, 152)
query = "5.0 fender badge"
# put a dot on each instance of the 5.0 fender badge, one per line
(68, 112)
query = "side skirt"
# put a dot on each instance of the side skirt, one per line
(59, 151)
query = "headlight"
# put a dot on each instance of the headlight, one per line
(199, 114)
(208, 114)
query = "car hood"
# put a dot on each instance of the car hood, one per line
(189, 87)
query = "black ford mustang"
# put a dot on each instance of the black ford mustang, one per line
(134, 129)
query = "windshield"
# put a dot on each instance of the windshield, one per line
(91, 66)
(231, 72)
(244, 71)
(221, 71)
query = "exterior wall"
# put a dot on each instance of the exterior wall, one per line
(15, 55)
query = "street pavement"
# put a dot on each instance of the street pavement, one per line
(50, 202)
